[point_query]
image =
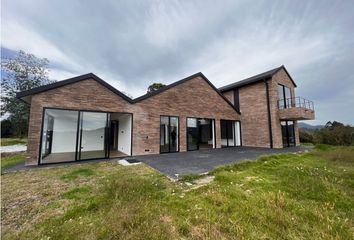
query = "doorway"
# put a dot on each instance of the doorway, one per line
(288, 133)
(73, 135)
(200, 133)
(169, 134)
(230, 133)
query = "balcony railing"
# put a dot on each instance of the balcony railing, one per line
(296, 102)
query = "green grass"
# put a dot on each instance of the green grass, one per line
(11, 159)
(77, 173)
(307, 144)
(287, 196)
(13, 141)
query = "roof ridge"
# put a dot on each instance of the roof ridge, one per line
(255, 78)
(128, 99)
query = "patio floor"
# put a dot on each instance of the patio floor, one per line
(175, 165)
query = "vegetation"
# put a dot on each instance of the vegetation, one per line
(12, 141)
(288, 196)
(12, 159)
(334, 133)
(155, 86)
(21, 73)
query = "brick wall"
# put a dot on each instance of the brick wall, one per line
(194, 98)
(254, 112)
(254, 115)
(281, 77)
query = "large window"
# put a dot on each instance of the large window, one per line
(70, 135)
(230, 133)
(169, 134)
(284, 96)
(93, 135)
(200, 133)
(237, 99)
(288, 133)
(59, 136)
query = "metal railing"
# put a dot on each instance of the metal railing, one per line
(296, 102)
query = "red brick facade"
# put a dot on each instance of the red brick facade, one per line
(254, 111)
(192, 98)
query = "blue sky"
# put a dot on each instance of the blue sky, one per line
(132, 44)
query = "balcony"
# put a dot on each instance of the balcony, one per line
(296, 108)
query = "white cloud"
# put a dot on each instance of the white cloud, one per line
(19, 36)
(133, 44)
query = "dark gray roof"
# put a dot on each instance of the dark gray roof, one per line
(257, 78)
(70, 81)
(30, 92)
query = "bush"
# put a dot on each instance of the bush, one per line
(306, 136)
(334, 133)
(6, 129)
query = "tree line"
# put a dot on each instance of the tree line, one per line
(333, 133)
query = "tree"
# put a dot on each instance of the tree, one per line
(6, 128)
(155, 86)
(23, 72)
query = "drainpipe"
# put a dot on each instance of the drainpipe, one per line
(269, 114)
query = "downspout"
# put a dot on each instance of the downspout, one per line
(269, 115)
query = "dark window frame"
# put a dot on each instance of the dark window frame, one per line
(227, 136)
(107, 136)
(287, 133)
(237, 99)
(285, 105)
(78, 137)
(169, 130)
(214, 134)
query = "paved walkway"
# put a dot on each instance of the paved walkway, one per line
(196, 162)
(175, 165)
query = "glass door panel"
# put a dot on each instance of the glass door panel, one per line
(59, 136)
(174, 134)
(230, 133)
(288, 133)
(205, 128)
(169, 134)
(93, 135)
(164, 134)
(237, 133)
(291, 134)
(192, 134)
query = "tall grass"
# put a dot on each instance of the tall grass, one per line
(284, 196)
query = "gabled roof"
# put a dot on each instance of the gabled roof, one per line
(257, 78)
(71, 81)
(44, 88)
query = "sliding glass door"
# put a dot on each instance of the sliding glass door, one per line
(70, 135)
(169, 134)
(230, 133)
(59, 133)
(93, 135)
(288, 133)
(285, 99)
(200, 133)
(192, 134)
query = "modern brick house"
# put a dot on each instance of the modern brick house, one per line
(85, 118)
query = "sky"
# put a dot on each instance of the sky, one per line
(132, 44)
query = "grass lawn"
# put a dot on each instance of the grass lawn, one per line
(13, 141)
(288, 196)
(12, 159)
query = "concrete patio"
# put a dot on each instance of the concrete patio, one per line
(175, 165)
